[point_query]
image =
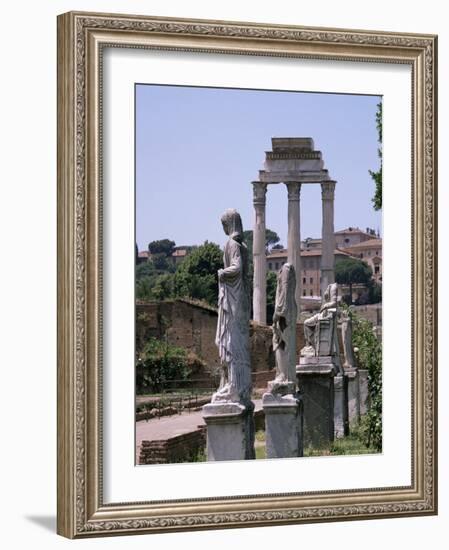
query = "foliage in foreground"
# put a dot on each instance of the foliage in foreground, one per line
(352, 444)
(377, 175)
(370, 358)
(161, 363)
(197, 276)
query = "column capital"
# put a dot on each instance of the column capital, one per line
(259, 193)
(294, 190)
(328, 190)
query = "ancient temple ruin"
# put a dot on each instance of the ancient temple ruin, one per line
(292, 161)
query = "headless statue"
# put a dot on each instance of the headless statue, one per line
(328, 310)
(284, 332)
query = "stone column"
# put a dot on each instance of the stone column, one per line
(340, 406)
(259, 256)
(294, 236)
(327, 235)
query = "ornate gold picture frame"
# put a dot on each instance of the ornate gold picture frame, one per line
(82, 40)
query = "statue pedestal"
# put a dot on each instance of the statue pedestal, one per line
(352, 375)
(315, 377)
(340, 406)
(230, 431)
(283, 425)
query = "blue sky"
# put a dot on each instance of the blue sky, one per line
(198, 149)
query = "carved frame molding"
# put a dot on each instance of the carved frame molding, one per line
(81, 37)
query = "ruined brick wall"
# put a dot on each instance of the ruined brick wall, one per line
(261, 348)
(185, 325)
(180, 448)
(192, 326)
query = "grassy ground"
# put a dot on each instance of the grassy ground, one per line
(349, 445)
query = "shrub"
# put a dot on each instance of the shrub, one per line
(160, 363)
(370, 358)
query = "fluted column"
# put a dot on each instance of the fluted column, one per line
(259, 256)
(327, 235)
(294, 236)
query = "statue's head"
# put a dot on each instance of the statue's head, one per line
(232, 224)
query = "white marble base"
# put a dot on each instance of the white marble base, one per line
(230, 431)
(283, 425)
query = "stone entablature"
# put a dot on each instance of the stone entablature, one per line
(292, 161)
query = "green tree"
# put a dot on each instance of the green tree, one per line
(145, 269)
(160, 363)
(145, 278)
(163, 287)
(377, 175)
(164, 246)
(161, 262)
(370, 358)
(271, 239)
(197, 276)
(375, 293)
(144, 288)
(352, 271)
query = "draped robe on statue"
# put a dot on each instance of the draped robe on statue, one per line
(232, 336)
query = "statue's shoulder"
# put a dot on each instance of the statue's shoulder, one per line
(233, 246)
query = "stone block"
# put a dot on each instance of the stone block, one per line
(315, 376)
(283, 425)
(363, 391)
(230, 431)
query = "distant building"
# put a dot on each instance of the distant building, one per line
(353, 236)
(369, 251)
(350, 242)
(344, 238)
(310, 268)
(143, 256)
(177, 256)
(180, 252)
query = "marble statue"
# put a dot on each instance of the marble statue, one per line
(282, 404)
(232, 336)
(284, 331)
(326, 343)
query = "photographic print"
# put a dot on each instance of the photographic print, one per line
(227, 196)
(258, 274)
